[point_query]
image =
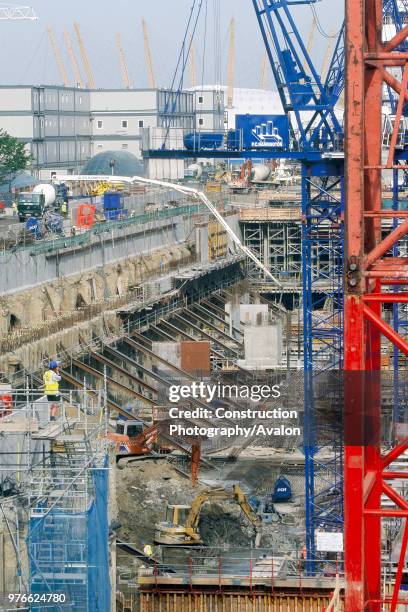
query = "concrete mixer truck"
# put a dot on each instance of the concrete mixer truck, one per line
(42, 198)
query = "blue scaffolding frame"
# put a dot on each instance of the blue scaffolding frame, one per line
(396, 12)
(322, 265)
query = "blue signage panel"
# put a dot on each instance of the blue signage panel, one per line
(263, 131)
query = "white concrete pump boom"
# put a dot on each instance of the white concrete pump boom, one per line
(17, 13)
(181, 189)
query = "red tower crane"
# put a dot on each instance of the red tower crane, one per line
(373, 277)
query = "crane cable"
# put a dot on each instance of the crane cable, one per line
(319, 25)
(217, 42)
(183, 59)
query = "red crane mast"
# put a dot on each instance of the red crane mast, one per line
(368, 276)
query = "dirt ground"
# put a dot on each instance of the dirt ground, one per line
(144, 488)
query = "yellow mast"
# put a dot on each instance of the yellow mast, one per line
(74, 62)
(58, 56)
(327, 56)
(310, 38)
(148, 55)
(84, 56)
(264, 71)
(123, 64)
(193, 71)
(231, 65)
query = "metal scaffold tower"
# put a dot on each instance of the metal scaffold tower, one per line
(59, 467)
(322, 256)
(375, 278)
(317, 132)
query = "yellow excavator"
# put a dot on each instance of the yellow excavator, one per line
(181, 525)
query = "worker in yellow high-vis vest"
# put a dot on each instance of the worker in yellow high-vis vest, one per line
(51, 380)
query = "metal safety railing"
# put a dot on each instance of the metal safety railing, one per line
(256, 566)
(21, 239)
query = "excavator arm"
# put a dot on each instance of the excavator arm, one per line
(198, 502)
(246, 507)
(237, 496)
(139, 445)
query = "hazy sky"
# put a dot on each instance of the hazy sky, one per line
(27, 56)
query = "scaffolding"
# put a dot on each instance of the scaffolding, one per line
(278, 245)
(322, 257)
(55, 467)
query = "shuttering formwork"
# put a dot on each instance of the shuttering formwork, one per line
(235, 601)
(259, 582)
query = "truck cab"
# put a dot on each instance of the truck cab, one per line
(30, 205)
(129, 428)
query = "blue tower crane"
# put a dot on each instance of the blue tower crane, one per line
(300, 87)
(316, 126)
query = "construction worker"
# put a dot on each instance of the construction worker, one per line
(64, 209)
(51, 380)
(148, 550)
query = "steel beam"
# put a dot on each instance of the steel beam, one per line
(208, 313)
(201, 319)
(161, 333)
(111, 381)
(138, 347)
(102, 359)
(201, 332)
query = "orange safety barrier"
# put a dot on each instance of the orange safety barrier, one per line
(85, 216)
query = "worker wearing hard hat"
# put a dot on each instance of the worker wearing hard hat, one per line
(51, 380)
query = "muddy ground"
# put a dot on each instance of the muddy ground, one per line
(144, 488)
